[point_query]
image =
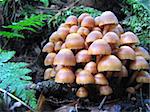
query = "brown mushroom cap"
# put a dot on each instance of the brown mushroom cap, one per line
(49, 59)
(112, 38)
(82, 16)
(58, 67)
(65, 25)
(83, 56)
(107, 18)
(94, 35)
(65, 57)
(65, 75)
(140, 51)
(63, 32)
(74, 29)
(97, 20)
(91, 67)
(105, 90)
(99, 47)
(96, 29)
(84, 77)
(126, 52)
(55, 37)
(143, 77)
(82, 92)
(88, 22)
(74, 41)
(83, 31)
(72, 20)
(139, 63)
(100, 79)
(118, 30)
(63, 46)
(58, 46)
(129, 38)
(122, 73)
(109, 63)
(47, 73)
(49, 47)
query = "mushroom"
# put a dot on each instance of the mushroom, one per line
(140, 51)
(97, 20)
(58, 46)
(74, 41)
(91, 67)
(71, 20)
(47, 73)
(94, 35)
(49, 59)
(82, 92)
(105, 90)
(129, 38)
(49, 47)
(82, 56)
(84, 77)
(107, 20)
(112, 39)
(74, 29)
(100, 79)
(63, 32)
(65, 75)
(65, 57)
(109, 64)
(88, 22)
(83, 31)
(99, 47)
(118, 30)
(65, 25)
(143, 77)
(126, 53)
(55, 37)
(96, 29)
(82, 16)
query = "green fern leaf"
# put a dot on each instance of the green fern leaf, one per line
(14, 78)
(11, 34)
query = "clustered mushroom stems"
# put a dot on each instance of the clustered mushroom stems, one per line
(87, 50)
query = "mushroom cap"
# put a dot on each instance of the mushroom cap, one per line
(98, 47)
(88, 22)
(122, 73)
(63, 32)
(58, 46)
(78, 71)
(105, 90)
(91, 67)
(74, 41)
(97, 20)
(143, 77)
(64, 25)
(82, 92)
(82, 16)
(118, 30)
(140, 51)
(111, 38)
(94, 35)
(139, 63)
(129, 38)
(65, 57)
(126, 52)
(65, 75)
(47, 73)
(71, 20)
(131, 90)
(74, 29)
(55, 37)
(107, 18)
(49, 59)
(83, 56)
(96, 29)
(84, 77)
(83, 31)
(63, 46)
(100, 79)
(58, 67)
(109, 63)
(49, 47)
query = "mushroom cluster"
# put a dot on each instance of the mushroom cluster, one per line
(87, 50)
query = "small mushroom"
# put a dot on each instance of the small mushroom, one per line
(85, 77)
(96, 29)
(88, 22)
(82, 16)
(65, 57)
(58, 46)
(140, 51)
(100, 79)
(74, 29)
(47, 73)
(63, 32)
(143, 77)
(49, 59)
(82, 92)
(71, 20)
(65, 75)
(91, 67)
(49, 47)
(83, 31)
(118, 30)
(55, 37)
(105, 90)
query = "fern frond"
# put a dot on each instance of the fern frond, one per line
(14, 78)
(10, 34)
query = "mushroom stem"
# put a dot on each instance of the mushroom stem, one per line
(98, 57)
(141, 96)
(138, 86)
(102, 102)
(106, 29)
(124, 62)
(132, 78)
(109, 74)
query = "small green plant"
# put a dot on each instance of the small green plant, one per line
(14, 78)
(31, 24)
(138, 19)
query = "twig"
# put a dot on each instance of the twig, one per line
(102, 102)
(141, 96)
(14, 97)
